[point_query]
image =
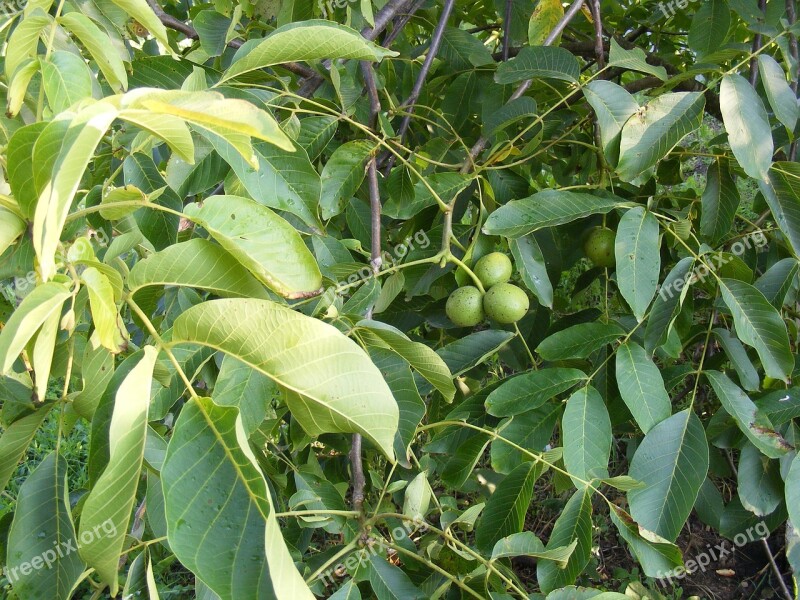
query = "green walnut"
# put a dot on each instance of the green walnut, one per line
(599, 247)
(493, 268)
(505, 303)
(465, 306)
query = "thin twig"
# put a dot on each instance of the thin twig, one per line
(433, 50)
(599, 51)
(479, 146)
(401, 21)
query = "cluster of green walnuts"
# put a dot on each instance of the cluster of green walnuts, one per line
(503, 302)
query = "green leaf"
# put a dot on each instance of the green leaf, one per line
(613, 106)
(759, 325)
(543, 20)
(756, 425)
(638, 256)
(283, 180)
(539, 62)
(15, 441)
(641, 386)
(776, 282)
(747, 124)
(579, 341)
(97, 368)
(305, 41)
(342, 176)
(166, 127)
(505, 510)
(221, 523)
(422, 358)
(672, 463)
(573, 524)
(196, 263)
(748, 376)
(782, 194)
(233, 119)
(633, 60)
(719, 201)
(97, 42)
(709, 29)
(11, 227)
(110, 330)
(532, 268)
(462, 51)
(793, 492)
(78, 144)
(110, 503)
(212, 29)
(35, 309)
(315, 134)
(24, 41)
(781, 97)
(390, 582)
(18, 88)
(67, 80)
(547, 208)
(261, 241)
(657, 556)
(417, 498)
(43, 533)
(667, 304)
(141, 581)
(141, 11)
(531, 430)
(586, 431)
(530, 390)
(655, 129)
(527, 544)
(349, 591)
(508, 114)
(446, 185)
(759, 481)
(333, 386)
(19, 157)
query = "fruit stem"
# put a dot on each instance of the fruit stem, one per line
(450, 258)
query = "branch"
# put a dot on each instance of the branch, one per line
(599, 50)
(433, 50)
(762, 5)
(507, 28)
(402, 21)
(479, 146)
(191, 33)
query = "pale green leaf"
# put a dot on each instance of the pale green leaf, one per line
(107, 322)
(709, 28)
(333, 385)
(527, 544)
(781, 97)
(655, 129)
(141, 11)
(613, 106)
(760, 487)
(29, 316)
(67, 80)
(633, 60)
(263, 242)
(15, 440)
(113, 495)
(305, 41)
(98, 43)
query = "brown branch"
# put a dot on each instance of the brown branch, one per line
(433, 50)
(479, 146)
(401, 21)
(507, 28)
(191, 33)
(599, 50)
